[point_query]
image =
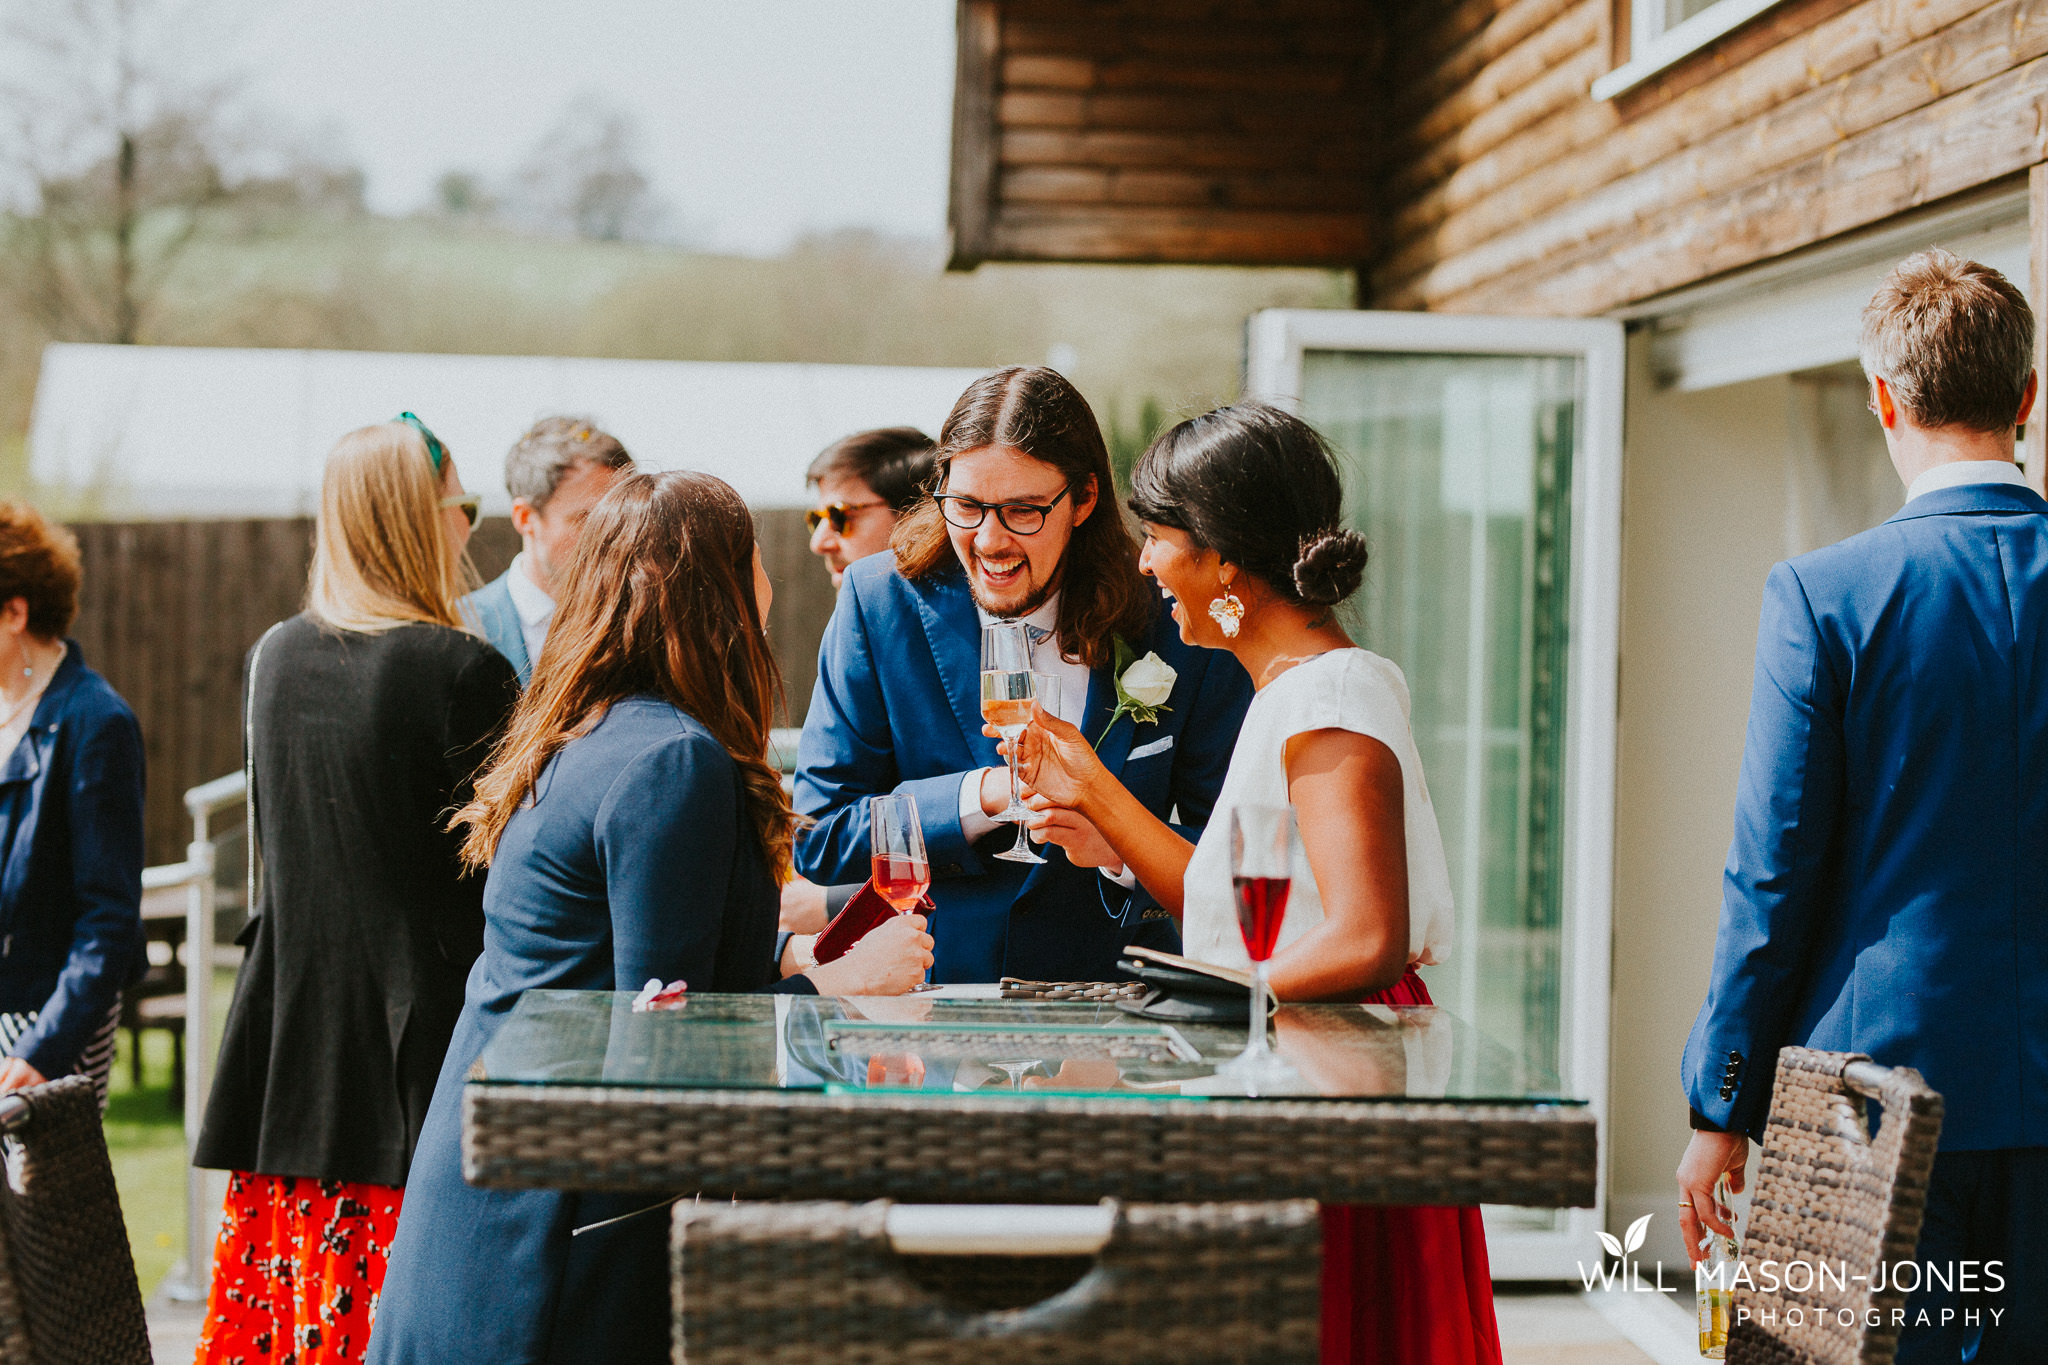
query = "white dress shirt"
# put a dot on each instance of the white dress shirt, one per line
(535, 608)
(1957, 473)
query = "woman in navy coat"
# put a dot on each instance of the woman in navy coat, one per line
(634, 829)
(70, 822)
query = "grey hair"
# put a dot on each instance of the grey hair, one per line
(551, 447)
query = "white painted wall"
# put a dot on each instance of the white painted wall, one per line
(171, 431)
(1703, 520)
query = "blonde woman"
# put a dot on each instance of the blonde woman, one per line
(368, 715)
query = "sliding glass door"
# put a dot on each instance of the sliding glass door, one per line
(1482, 462)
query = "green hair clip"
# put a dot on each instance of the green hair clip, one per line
(436, 452)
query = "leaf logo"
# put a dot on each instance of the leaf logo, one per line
(1637, 1231)
(1607, 1239)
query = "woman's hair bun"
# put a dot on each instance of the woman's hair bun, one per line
(1330, 566)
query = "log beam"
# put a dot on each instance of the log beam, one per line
(1971, 138)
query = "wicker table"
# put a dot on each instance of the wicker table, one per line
(802, 1098)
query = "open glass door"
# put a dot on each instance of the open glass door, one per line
(1483, 463)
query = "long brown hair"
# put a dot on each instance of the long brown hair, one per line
(1035, 410)
(659, 600)
(381, 556)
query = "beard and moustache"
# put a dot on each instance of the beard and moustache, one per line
(1030, 604)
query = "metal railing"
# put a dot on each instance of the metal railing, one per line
(187, 1282)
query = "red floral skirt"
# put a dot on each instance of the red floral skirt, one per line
(296, 1270)
(1406, 1286)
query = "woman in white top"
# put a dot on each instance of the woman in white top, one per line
(1242, 512)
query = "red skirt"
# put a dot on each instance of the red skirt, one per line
(1406, 1286)
(296, 1270)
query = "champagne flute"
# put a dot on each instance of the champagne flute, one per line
(1045, 697)
(1261, 875)
(1007, 689)
(896, 841)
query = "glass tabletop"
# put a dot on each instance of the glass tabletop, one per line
(994, 1048)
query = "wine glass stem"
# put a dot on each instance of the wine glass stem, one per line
(1016, 798)
(1257, 1042)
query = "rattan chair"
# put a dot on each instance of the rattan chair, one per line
(1188, 1284)
(1828, 1196)
(68, 1293)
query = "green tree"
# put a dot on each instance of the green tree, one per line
(1128, 442)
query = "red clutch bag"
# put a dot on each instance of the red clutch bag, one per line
(862, 913)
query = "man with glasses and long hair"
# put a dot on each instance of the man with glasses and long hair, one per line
(1022, 525)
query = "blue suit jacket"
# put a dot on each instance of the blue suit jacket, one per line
(595, 886)
(898, 709)
(1887, 888)
(490, 613)
(71, 879)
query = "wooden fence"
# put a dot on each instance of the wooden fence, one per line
(169, 609)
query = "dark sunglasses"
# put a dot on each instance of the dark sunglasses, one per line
(472, 504)
(839, 514)
(1018, 518)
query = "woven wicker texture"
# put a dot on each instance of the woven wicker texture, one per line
(1827, 1194)
(67, 1245)
(14, 1347)
(1182, 1284)
(1025, 1150)
(1015, 988)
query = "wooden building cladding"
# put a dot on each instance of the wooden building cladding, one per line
(1478, 172)
(1203, 131)
(1512, 190)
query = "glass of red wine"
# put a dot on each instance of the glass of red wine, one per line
(1261, 874)
(896, 839)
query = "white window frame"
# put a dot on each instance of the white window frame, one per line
(1275, 342)
(1653, 47)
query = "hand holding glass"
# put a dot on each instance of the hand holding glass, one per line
(1008, 690)
(896, 839)
(1045, 698)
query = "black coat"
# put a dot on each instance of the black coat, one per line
(366, 928)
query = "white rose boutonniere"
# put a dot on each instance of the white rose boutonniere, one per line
(1142, 687)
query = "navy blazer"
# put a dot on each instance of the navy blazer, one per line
(897, 708)
(1887, 887)
(490, 613)
(634, 859)
(71, 883)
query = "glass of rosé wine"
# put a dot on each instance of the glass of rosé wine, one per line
(902, 873)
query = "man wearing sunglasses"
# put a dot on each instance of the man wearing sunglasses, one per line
(556, 473)
(859, 486)
(1022, 526)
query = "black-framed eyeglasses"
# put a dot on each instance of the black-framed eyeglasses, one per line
(840, 514)
(1018, 518)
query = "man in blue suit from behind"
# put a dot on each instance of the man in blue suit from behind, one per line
(1887, 889)
(1022, 526)
(555, 473)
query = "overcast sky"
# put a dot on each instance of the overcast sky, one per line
(763, 119)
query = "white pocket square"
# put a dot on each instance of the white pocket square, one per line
(1157, 746)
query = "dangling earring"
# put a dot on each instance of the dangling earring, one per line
(1226, 611)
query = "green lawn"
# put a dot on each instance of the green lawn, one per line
(146, 1138)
